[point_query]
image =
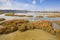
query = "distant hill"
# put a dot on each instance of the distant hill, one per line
(15, 11)
(25, 11)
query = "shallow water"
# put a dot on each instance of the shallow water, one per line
(33, 18)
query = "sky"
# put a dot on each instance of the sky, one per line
(38, 5)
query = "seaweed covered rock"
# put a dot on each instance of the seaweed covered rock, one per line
(2, 19)
(39, 16)
(9, 29)
(20, 15)
(56, 30)
(51, 16)
(13, 25)
(22, 27)
(42, 24)
(57, 22)
(9, 14)
(14, 22)
(26, 26)
(2, 29)
(21, 21)
(30, 26)
(30, 16)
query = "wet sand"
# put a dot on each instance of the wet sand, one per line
(35, 34)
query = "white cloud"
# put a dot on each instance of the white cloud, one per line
(9, 4)
(25, 6)
(6, 4)
(52, 9)
(41, 1)
(3, 0)
(34, 1)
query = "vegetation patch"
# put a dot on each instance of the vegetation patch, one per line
(39, 16)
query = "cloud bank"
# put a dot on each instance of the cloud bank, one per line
(13, 5)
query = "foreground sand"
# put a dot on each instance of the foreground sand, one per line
(35, 34)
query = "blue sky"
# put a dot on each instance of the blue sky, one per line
(42, 5)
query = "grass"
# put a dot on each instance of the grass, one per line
(28, 35)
